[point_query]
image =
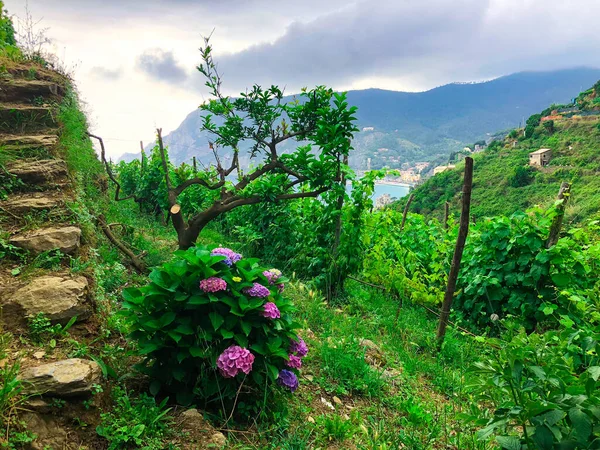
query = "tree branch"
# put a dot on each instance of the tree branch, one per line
(109, 171)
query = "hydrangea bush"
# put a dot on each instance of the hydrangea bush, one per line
(212, 325)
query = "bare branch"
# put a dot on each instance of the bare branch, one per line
(109, 171)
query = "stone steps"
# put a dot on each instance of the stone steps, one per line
(29, 91)
(60, 297)
(21, 143)
(33, 202)
(65, 378)
(38, 171)
(22, 118)
(64, 238)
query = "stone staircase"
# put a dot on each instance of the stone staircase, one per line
(29, 146)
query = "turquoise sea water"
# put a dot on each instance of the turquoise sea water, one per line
(394, 190)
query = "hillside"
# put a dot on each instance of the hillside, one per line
(422, 126)
(504, 182)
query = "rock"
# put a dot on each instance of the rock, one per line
(337, 400)
(66, 378)
(368, 344)
(66, 239)
(39, 354)
(38, 404)
(18, 90)
(59, 298)
(327, 403)
(36, 171)
(200, 433)
(373, 355)
(50, 435)
(19, 143)
(39, 201)
(310, 419)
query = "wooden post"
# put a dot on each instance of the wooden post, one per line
(194, 164)
(563, 194)
(446, 214)
(458, 251)
(410, 199)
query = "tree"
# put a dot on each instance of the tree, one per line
(319, 120)
(549, 126)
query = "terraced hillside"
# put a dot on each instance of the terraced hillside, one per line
(54, 337)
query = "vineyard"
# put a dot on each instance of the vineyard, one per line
(147, 305)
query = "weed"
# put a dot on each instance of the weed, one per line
(41, 329)
(335, 428)
(50, 259)
(138, 422)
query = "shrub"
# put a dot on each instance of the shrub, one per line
(549, 126)
(522, 176)
(213, 326)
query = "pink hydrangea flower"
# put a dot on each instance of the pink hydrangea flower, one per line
(272, 275)
(233, 360)
(257, 290)
(295, 362)
(271, 311)
(213, 284)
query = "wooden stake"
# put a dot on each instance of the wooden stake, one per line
(410, 199)
(446, 214)
(563, 194)
(458, 251)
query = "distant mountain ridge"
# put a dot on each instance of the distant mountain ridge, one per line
(423, 126)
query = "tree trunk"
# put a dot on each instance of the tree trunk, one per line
(458, 251)
(446, 214)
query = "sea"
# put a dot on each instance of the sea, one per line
(395, 190)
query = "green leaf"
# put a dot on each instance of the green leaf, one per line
(155, 387)
(167, 318)
(226, 333)
(184, 329)
(197, 352)
(543, 438)
(216, 319)
(509, 442)
(246, 327)
(198, 300)
(581, 424)
(594, 372)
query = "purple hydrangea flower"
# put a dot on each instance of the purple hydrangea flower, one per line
(272, 275)
(288, 379)
(257, 290)
(233, 360)
(299, 347)
(231, 257)
(295, 362)
(271, 311)
(280, 287)
(213, 284)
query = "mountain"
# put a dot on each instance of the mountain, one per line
(399, 127)
(505, 182)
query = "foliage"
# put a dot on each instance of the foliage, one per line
(7, 30)
(181, 330)
(543, 389)
(522, 176)
(137, 423)
(507, 270)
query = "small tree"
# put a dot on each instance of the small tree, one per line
(319, 120)
(549, 126)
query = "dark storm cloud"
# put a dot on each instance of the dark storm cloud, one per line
(434, 41)
(107, 74)
(161, 65)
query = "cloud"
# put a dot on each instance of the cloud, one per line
(106, 74)
(434, 41)
(161, 65)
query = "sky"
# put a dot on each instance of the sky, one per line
(134, 61)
